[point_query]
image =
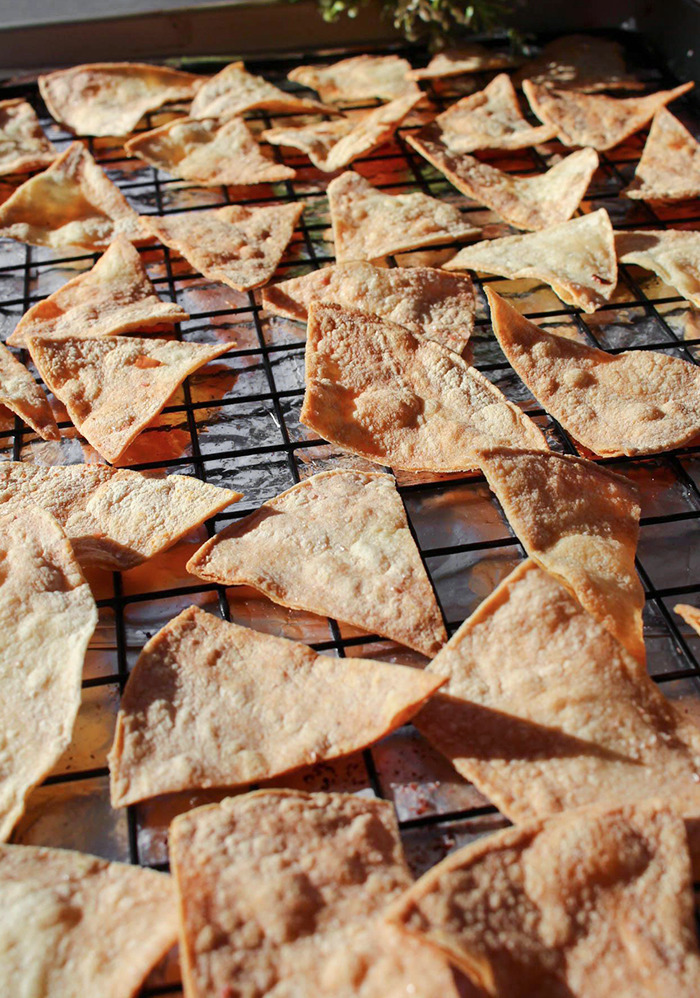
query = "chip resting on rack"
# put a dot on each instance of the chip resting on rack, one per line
(113, 386)
(110, 98)
(580, 523)
(378, 390)
(115, 296)
(472, 58)
(73, 924)
(525, 202)
(673, 254)
(669, 169)
(585, 275)
(598, 902)
(360, 563)
(207, 152)
(358, 78)
(47, 616)
(368, 224)
(72, 204)
(20, 393)
(595, 120)
(580, 62)
(437, 305)
(636, 402)
(315, 140)
(23, 145)
(212, 704)
(283, 893)
(236, 245)
(690, 614)
(234, 90)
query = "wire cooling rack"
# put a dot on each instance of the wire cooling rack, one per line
(236, 423)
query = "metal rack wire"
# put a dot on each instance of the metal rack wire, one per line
(236, 422)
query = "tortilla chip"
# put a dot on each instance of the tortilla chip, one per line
(359, 78)
(47, 616)
(23, 145)
(472, 58)
(669, 169)
(585, 275)
(208, 153)
(360, 563)
(70, 204)
(235, 90)
(580, 523)
(113, 386)
(636, 402)
(595, 120)
(60, 490)
(673, 254)
(368, 224)
(597, 902)
(236, 245)
(212, 704)
(399, 399)
(690, 614)
(579, 62)
(525, 202)
(282, 892)
(110, 98)
(545, 711)
(73, 924)
(438, 305)
(21, 393)
(315, 141)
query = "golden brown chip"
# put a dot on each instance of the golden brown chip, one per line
(110, 98)
(545, 711)
(584, 275)
(212, 704)
(597, 902)
(669, 169)
(673, 254)
(116, 296)
(74, 925)
(21, 393)
(236, 245)
(431, 302)
(636, 402)
(235, 90)
(690, 614)
(579, 62)
(358, 78)
(595, 120)
(360, 563)
(396, 398)
(113, 386)
(47, 616)
(525, 202)
(368, 224)
(71, 204)
(581, 524)
(472, 58)
(282, 893)
(23, 145)
(207, 152)
(61, 491)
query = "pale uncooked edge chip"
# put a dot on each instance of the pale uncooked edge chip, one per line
(673, 254)
(23, 145)
(20, 393)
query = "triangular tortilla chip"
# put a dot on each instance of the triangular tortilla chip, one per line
(438, 305)
(358, 78)
(113, 386)
(669, 169)
(71, 204)
(673, 254)
(236, 245)
(21, 393)
(110, 98)
(235, 90)
(597, 902)
(23, 145)
(585, 275)
(47, 616)
(465, 59)
(368, 224)
(96, 928)
(637, 402)
(690, 614)
(212, 704)
(595, 120)
(316, 141)
(116, 296)
(545, 711)
(525, 202)
(208, 153)
(380, 391)
(360, 563)
(61, 491)
(580, 62)
(580, 523)
(310, 875)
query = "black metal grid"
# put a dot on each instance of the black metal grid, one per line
(236, 423)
